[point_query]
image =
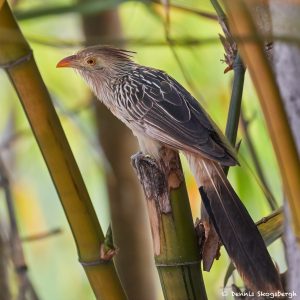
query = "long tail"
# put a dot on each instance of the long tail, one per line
(235, 227)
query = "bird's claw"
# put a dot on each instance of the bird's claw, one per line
(141, 159)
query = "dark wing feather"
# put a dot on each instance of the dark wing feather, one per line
(168, 112)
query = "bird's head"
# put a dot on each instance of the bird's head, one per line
(98, 60)
(100, 66)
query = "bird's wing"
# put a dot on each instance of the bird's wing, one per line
(167, 112)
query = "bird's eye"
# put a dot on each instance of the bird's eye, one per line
(91, 61)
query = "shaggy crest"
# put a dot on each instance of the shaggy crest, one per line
(108, 51)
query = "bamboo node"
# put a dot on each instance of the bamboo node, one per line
(17, 61)
(178, 264)
(93, 263)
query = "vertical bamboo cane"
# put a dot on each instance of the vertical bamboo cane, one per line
(175, 243)
(16, 57)
(242, 25)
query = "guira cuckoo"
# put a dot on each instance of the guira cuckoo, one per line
(161, 112)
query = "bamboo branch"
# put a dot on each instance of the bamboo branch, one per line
(41, 235)
(260, 70)
(175, 243)
(16, 56)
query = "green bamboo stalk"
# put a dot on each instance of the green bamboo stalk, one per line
(16, 57)
(238, 81)
(260, 70)
(177, 254)
(270, 227)
(234, 113)
(219, 10)
(235, 101)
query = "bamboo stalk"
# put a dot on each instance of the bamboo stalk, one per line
(260, 70)
(235, 100)
(238, 78)
(235, 103)
(235, 114)
(16, 57)
(176, 250)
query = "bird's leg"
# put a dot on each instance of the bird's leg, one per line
(158, 176)
(150, 175)
(154, 184)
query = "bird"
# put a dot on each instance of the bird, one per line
(161, 113)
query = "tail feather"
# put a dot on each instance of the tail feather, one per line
(236, 229)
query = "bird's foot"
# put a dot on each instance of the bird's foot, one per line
(150, 175)
(140, 158)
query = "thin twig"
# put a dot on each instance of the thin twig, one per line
(90, 7)
(55, 42)
(42, 235)
(171, 45)
(247, 138)
(195, 11)
(18, 257)
(5, 293)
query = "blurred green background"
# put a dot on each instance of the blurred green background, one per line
(52, 262)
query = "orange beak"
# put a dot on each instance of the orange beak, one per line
(67, 62)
